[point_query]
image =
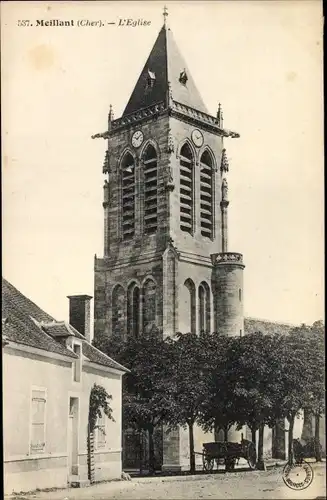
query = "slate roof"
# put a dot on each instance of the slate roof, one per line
(28, 324)
(167, 64)
(252, 325)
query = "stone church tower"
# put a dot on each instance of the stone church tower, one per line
(166, 260)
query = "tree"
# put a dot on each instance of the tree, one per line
(254, 363)
(218, 408)
(146, 401)
(303, 376)
(98, 402)
(187, 386)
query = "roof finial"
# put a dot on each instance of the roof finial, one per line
(110, 117)
(165, 14)
(220, 119)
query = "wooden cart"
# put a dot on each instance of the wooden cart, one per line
(229, 453)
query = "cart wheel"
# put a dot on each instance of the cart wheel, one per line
(208, 463)
(252, 456)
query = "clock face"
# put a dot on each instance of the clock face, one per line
(197, 138)
(137, 138)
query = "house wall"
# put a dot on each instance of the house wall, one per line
(26, 471)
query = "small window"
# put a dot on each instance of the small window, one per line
(77, 363)
(38, 421)
(240, 294)
(150, 80)
(183, 77)
(101, 432)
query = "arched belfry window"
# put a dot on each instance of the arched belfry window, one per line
(150, 165)
(149, 305)
(186, 189)
(128, 196)
(189, 307)
(118, 310)
(133, 310)
(206, 195)
(204, 307)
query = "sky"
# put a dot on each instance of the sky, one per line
(261, 60)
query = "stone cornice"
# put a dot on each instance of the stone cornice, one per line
(175, 109)
(227, 258)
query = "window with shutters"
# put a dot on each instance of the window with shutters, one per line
(206, 195)
(38, 415)
(128, 196)
(101, 432)
(186, 189)
(150, 166)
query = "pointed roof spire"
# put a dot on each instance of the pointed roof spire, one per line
(168, 65)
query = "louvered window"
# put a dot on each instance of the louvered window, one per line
(186, 189)
(128, 196)
(150, 165)
(206, 195)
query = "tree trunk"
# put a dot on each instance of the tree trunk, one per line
(317, 439)
(216, 431)
(290, 439)
(226, 433)
(90, 456)
(191, 441)
(151, 450)
(307, 431)
(254, 436)
(141, 451)
(260, 462)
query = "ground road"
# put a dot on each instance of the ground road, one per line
(235, 485)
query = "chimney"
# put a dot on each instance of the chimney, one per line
(80, 314)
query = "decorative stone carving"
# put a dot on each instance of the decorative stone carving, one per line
(105, 193)
(170, 186)
(227, 257)
(171, 147)
(106, 163)
(224, 166)
(224, 190)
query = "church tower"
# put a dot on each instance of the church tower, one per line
(166, 261)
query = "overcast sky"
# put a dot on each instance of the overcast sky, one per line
(261, 60)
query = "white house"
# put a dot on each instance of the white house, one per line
(49, 369)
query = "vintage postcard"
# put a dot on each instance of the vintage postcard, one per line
(163, 293)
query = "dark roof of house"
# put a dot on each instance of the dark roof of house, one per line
(165, 64)
(252, 325)
(28, 324)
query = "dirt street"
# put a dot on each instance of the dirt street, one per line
(238, 485)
